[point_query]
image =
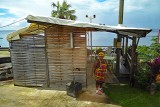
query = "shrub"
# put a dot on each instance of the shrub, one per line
(142, 76)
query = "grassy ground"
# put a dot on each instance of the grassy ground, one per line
(4, 54)
(131, 97)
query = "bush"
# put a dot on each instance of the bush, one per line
(142, 76)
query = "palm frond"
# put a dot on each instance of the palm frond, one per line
(53, 5)
(72, 11)
(66, 6)
(62, 11)
(73, 17)
(54, 13)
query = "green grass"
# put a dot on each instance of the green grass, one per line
(132, 97)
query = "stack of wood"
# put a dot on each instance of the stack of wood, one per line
(6, 71)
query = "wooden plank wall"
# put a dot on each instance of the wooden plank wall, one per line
(65, 63)
(28, 61)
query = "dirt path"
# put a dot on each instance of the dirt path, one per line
(15, 96)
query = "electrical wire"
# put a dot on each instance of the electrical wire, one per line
(12, 23)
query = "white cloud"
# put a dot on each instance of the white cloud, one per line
(141, 5)
(106, 12)
(43, 7)
(23, 7)
(1, 14)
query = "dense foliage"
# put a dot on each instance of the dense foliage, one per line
(147, 53)
(148, 64)
(142, 75)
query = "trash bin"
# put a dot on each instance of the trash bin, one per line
(73, 88)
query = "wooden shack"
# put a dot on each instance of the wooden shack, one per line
(52, 52)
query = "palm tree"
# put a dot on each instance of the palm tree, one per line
(62, 11)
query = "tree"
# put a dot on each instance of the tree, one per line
(149, 64)
(149, 52)
(62, 11)
(155, 47)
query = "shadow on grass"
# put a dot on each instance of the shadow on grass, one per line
(131, 97)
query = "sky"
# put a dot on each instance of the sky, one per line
(137, 13)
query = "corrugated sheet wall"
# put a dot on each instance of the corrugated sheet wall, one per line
(28, 61)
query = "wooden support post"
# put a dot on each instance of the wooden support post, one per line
(133, 62)
(91, 45)
(86, 59)
(118, 52)
(126, 48)
(123, 47)
(120, 21)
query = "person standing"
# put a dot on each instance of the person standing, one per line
(99, 72)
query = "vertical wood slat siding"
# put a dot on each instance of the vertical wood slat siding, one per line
(31, 58)
(63, 60)
(28, 61)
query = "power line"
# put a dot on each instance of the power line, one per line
(150, 36)
(12, 23)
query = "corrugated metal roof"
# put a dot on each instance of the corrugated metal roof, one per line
(44, 21)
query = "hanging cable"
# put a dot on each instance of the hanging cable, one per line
(12, 23)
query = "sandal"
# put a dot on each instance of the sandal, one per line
(99, 92)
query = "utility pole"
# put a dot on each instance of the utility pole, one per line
(121, 6)
(90, 20)
(120, 22)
